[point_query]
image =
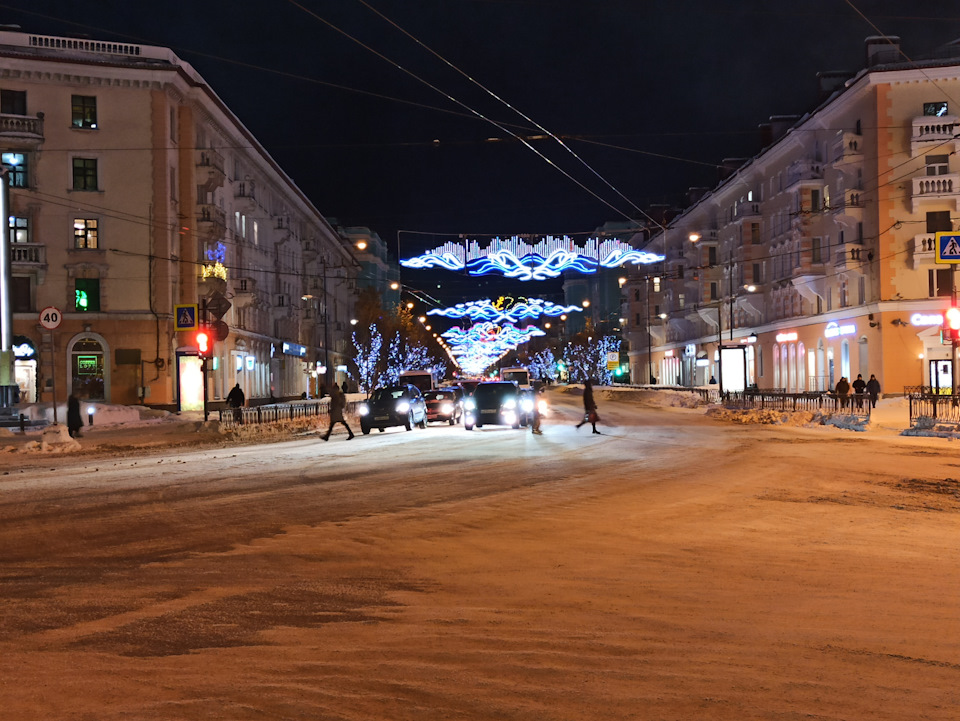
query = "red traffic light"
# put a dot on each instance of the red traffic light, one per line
(952, 318)
(204, 344)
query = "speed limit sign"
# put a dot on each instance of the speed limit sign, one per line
(50, 317)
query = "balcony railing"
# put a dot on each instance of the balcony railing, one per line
(746, 210)
(28, 253)
(924, 248)
(850, 256)
(801, 170)
(935, 188)
(21, 126)
(212, 162)
(847, 148)
(930, 130)
(211, 219)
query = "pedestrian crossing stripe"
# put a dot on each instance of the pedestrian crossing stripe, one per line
(948, 247)
(185, 317)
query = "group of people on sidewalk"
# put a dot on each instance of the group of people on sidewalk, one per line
(870, 388)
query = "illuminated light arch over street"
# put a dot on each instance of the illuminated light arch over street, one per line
(505, 309)
(482, 344)
(515, 258)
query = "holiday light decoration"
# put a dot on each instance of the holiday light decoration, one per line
(516, 258)
(482, 344)
(505, 309)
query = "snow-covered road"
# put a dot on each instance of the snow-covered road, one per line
(674, 567)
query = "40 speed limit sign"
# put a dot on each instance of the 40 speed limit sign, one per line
(50, 317)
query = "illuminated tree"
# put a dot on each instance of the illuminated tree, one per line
(543, 365)
(367, 359)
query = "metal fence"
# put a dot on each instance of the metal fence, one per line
(940, 409)
(273, 413)
(854, 404)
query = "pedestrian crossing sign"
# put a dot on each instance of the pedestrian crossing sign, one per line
(948, 247)
(185, 317)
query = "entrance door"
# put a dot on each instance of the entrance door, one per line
(941, 377)
(86, 364)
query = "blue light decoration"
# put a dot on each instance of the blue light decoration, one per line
(515, 258)
(482, 344)
(505, 309)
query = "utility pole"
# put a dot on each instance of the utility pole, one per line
(9, 390)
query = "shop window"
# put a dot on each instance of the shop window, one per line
(87, 365)
(87, 295)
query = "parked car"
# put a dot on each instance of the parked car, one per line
(400, 405)
(494, 403)
(445, 404)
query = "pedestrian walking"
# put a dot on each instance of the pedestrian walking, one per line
(589, 407)
(873, 390)
(338, 401)
(537, 413)
(74, 419)
(345, 388)
(843, 390)
(236, 399)
(859, 385)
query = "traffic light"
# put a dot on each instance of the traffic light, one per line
(951, 324)
(204, 343)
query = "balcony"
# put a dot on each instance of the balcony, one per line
(930, 130)
(848, 208)
(211, 220)
(800, 171)
(924, 249)
(245, 193)
(210, 173)
(851, 257)
(746, 210)
(935, 189)
(28, 254)
(847, 149)
(21, 127)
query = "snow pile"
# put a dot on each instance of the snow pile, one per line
(104, 414)
(53, 439)
(643, 396)
(768, 416)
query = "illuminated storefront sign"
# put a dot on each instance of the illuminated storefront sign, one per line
(24, 351)
(294, 349)
(87, 365)
(924, 319)
(690, 350)
(515, 258)
(251, 362)
(834, 329)
(787, 337)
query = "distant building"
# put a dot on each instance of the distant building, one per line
(816, 258)
(377, 269)
(134, 189)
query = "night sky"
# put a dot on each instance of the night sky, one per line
(656, 93)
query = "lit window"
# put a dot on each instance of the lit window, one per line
(83, 111)
(19, 230)
(16, 164)
(85, 232)
(938, 109)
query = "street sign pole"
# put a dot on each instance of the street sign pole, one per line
(948, 251)
(50, 318)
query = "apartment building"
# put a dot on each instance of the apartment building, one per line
(815, 259)
(135, 193)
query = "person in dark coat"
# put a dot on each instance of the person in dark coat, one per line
(873, 390)
(74, 419)
(345, 388)
(338, 402)
(589, 407)
(235, 399)
(843, 391)
(859, 385)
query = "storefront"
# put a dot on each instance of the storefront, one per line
(25, 368)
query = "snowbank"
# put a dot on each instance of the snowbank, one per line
(644, 396)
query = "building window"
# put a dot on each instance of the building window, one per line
(757, 274)
(938, 164)
(755, 233)
(714, 293)
(940, 282)
(13, 102)
(83, 111)
(815, 251)
(816, 200)
(938, 109)
(636, 294)
(638, 320)
(85, 233)
(85, 174)
(87, 295)
(21, 294)
(16, 169)
(939, 221)
(19, 230)
(862, 290)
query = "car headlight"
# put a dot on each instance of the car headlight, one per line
(527, 405)
(510, 403)
(364, 409)
(469, 404)
(446, 408)
(403, 407)
(542, 406)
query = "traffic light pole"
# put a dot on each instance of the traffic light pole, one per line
(203, 358)
(953, 334)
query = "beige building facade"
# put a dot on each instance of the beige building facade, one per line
(135, 193)
(816, 258)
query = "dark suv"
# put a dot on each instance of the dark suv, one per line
(494, 403)
(400, 405)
